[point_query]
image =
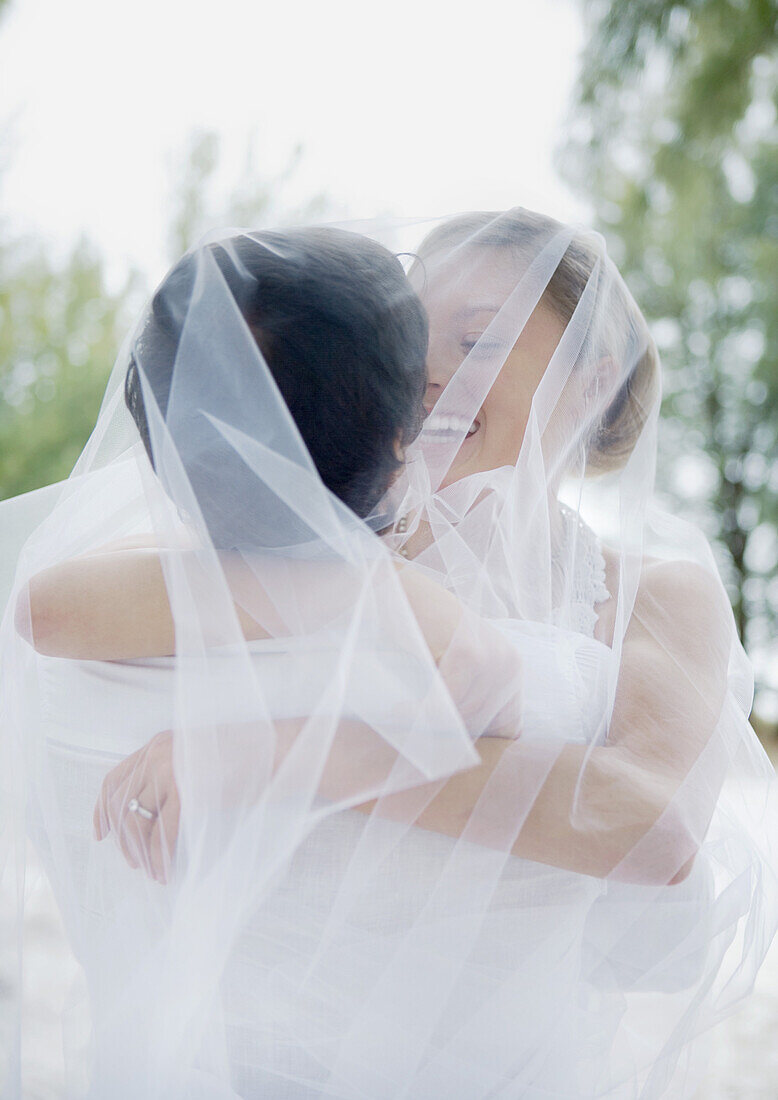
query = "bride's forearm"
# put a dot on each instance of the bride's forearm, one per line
(110, 605)
(590, 810)
(113, 604)
(101, 607)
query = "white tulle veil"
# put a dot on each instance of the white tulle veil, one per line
(476, 811)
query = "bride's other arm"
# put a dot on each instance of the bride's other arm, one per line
(618, 809)
(108, 605)
(113, 604)
(648, 794)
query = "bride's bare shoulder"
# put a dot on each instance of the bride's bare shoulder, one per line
(690, 593)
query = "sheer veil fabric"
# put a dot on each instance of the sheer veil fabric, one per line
(471, 807)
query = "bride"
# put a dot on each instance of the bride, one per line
(470, 808)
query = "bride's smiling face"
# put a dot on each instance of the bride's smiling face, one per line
(461, 306)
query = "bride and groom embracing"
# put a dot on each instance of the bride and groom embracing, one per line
(427, 773)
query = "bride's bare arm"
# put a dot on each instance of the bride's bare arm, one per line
(593, 807)
(113, 604)
(108, 605)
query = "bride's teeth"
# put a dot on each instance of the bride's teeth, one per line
(457, 424)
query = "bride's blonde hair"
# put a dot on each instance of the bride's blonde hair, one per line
(622, 336)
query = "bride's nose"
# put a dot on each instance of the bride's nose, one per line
(439, 372)
(433, 392)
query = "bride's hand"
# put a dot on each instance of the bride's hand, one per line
(146, 776)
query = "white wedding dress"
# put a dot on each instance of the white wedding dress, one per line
(519, 1021)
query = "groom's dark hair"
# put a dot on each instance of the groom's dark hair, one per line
(344, 336)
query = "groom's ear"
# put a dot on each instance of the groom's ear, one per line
(399, 454)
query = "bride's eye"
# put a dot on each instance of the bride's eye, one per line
(485, 346)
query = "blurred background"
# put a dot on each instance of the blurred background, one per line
(128, 130)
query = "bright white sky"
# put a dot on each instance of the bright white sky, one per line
(408, 108)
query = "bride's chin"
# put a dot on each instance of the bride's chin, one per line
(466, 459)
(461, 467)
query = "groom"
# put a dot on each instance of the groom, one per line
(344, 338)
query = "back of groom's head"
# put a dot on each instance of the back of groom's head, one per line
(344, 337)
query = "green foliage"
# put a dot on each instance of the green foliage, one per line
(675, 138)
(59, 334)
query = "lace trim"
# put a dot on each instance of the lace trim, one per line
(586, 586)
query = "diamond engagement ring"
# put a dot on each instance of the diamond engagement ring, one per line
(135, 808)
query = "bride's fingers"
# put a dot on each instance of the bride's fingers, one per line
(146, 775)
(133, 835)
(114, 780)
(100, 817)
(164, 836)
(133, 829)
(160, 855)
(150, 842)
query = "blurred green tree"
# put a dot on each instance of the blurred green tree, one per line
(675, 141)
(59, 333)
